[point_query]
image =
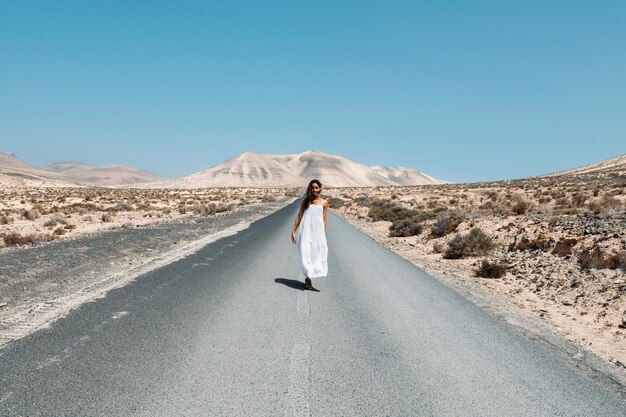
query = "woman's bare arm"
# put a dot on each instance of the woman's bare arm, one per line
(297, 223)
(325, 210)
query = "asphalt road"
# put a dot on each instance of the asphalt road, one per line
(231, 331)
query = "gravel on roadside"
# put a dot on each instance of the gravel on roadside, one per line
(32, 278)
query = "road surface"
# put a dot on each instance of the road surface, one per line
(231, 331)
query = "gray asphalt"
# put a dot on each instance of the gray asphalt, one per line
(230, 330)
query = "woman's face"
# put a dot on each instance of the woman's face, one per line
(316, 190)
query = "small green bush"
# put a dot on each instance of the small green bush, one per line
(474, 243)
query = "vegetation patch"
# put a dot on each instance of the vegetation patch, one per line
(474, 243)
(14, 238)
(490, 269)
(404, 228)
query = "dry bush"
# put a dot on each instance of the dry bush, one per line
(446, 225)
(489, 269)
(579, 199)
(50, 223)
(335, 203)
(604, 204)
(4, 220)
(474, 243)
(123, 207)
(59, 231)
(182, 209)
(384, 211)
(521, 206)
(14, 238)
(32, 214)
(204, 209)
(404, 228)
(107, 218)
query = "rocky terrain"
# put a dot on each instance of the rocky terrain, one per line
(552, 246)
(61, 247)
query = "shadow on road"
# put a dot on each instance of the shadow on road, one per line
(295, 284)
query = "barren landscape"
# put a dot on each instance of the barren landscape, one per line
(61, 247)
(553, 246)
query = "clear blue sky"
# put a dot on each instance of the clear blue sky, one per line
(462, 90)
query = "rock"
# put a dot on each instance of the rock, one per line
(564, 246)
(598, 258)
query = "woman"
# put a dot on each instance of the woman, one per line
(309, 232)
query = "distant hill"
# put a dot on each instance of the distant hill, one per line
(270, 170)
(114, 174)
(608, 167)
(407, 176)
(15, 172)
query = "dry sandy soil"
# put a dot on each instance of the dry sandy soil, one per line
(559, 243)
(61, 247)
(45, 214)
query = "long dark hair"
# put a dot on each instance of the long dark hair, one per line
(309, 197)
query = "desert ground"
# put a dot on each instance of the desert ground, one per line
(47, 213)
(554, 247)
(61, 247)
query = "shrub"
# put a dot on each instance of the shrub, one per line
(4, 220)
(182, 209)
(107, 218)
(521, 206)
(59, 231)
(388, 212)
(15, 238)
(404, 228)
(32, 214)
(475, 243)
(123, 207)
(445, 226)
(204, 210)
(335, 203)
(491, 269)
(603, 204)
(50, 223)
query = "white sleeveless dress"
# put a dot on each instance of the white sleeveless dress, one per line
(311, 239)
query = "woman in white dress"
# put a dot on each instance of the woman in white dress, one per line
(309, 232)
